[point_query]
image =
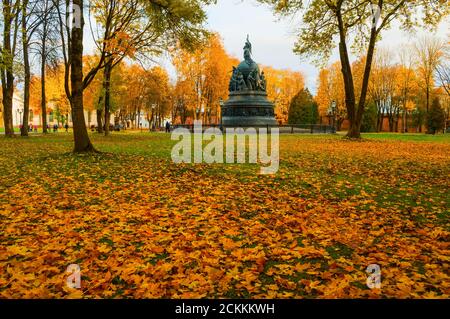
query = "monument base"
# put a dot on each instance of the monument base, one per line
(249, 109)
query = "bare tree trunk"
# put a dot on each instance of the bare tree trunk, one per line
(7, 74)
(7, 111)
(107, 90)
(100, 120)
(43, 95)
(404, 120)
(397, 119)
(348, 76)
(355, 112)
(81, 137)
(391, 123)
(139, 118)
(355, 128)
(43, 73)
(26, 61)
(379, 119)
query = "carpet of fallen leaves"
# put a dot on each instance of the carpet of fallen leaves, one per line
(142, 227)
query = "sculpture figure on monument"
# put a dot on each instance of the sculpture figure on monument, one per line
(263, 82)
(248, 51)
(253, 80)
(234, 80)
(241, 85)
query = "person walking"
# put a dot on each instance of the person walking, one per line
(167, 127)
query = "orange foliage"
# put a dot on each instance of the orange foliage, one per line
(282, 86)
(331, 89)
(151, 229)
(202, 79)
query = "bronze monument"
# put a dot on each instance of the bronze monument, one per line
(248, 105)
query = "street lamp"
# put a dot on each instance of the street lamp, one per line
(333, 110)
(20, 111)
(222, 104)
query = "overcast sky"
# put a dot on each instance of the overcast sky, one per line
(272, 40)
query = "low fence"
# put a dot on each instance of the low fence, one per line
(284, 129)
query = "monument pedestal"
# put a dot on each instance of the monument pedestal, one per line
(248, 108)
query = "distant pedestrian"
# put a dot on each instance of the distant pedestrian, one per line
(66, 127)
(167, 127)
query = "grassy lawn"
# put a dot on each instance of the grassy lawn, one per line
(16, 129)
(140, 226)
(445, 138)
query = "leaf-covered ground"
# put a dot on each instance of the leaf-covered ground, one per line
(140, 226)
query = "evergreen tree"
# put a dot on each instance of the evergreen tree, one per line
(369, 122)
(303, 109)
(435, 117)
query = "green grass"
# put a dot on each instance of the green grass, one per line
(312, 165)
(2, 130)
(409, 137)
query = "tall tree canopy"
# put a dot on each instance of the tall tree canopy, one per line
(327, 24)
(178, 19)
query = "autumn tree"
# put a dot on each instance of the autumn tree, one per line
(135, 27)
(8, 48)
(323, 96)
(176, 16)
(444, 98)
(27, 28)
(324, 21)
(382, 88)
(443, 73)
(137, 92)
(131, 95)
(429, 53)
(443, 69)
(282, 87)
(93, 94)
(45, 46)
(203, 76)
(157, 95)
(406, 83)
(55, 94)
(122, 28)
(217, 75)
(331, 93)
(71, 37)
(182, 107)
